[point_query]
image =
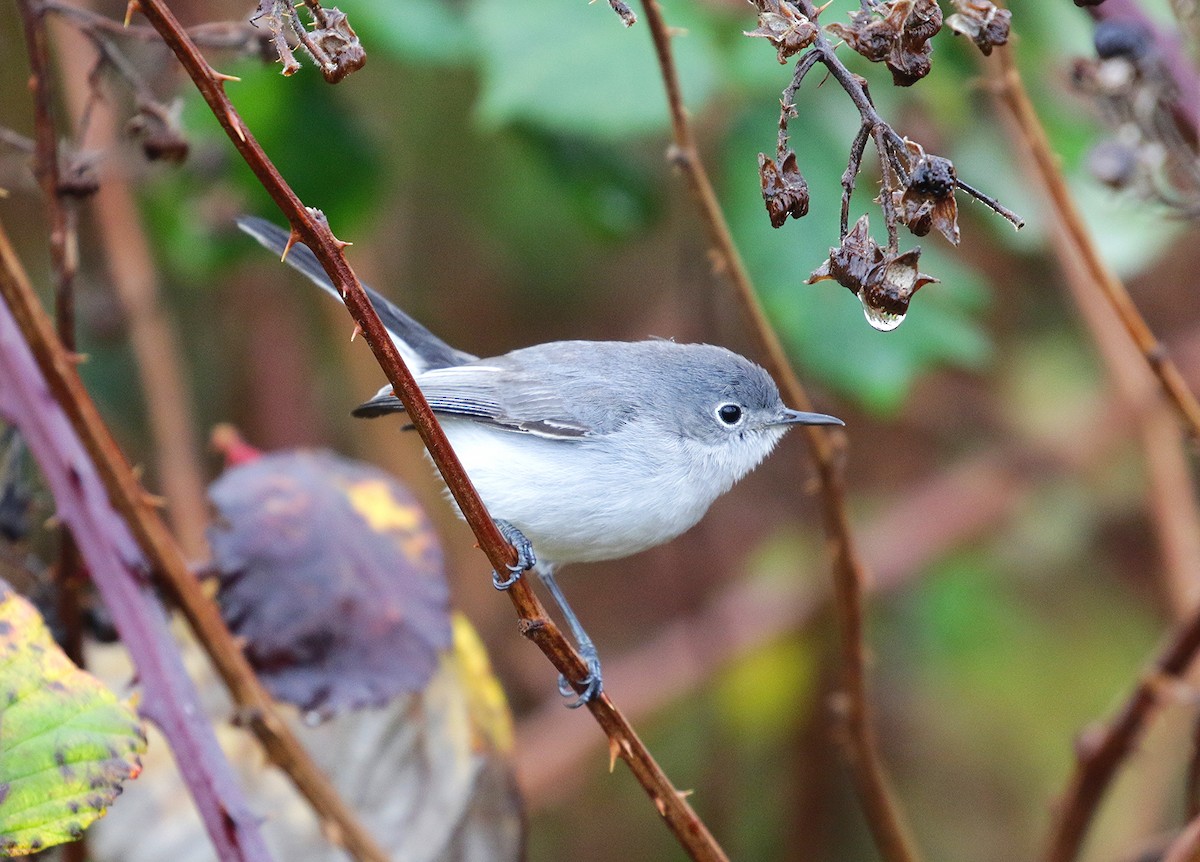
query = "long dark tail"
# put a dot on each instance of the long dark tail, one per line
(419, 347)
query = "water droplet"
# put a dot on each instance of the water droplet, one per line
(884, 321)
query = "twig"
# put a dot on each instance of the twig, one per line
(1011, 91)
(46, 169)
(1186, 846)
(1101, 751)
(862, 750)
(62, 216)
(116, 565)
(311, 229)
(151, 334)
(127, 496)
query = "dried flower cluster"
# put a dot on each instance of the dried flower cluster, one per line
(896, 32)
(918, 189)
(926, 201)
(1149, 152)
(332, 43)
(158, 129)
(882, 279)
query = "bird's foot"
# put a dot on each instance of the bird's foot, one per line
(591, 685)
(525, 556)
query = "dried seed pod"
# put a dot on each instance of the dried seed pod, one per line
(883, 281)
(981, 21)
(783, 25)
(927, 202)
(784, 190)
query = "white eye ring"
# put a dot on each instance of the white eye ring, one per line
(730, 414)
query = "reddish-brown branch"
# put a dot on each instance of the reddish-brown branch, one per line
(131, 268)
(137, 507)
(68, 573)
(862, 750)
(46, 169)
(310, 228)
(1101, 751)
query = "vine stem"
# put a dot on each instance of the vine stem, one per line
(849, 575)
(309, 226)
(1102, 751)
(1007, 84)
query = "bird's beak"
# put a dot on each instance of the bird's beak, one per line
(797, 417)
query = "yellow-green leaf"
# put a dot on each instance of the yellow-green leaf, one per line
(66, 742)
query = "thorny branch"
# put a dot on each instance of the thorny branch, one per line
(62, 212)
(883, 815)
(138, 509)
(309, 227)
(33, 368)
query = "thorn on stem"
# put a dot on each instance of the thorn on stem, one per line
(293, 238)
(133, 6)
(231, 117)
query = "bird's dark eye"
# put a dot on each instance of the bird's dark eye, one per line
(730, 414)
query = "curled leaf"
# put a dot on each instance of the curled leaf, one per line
(331, 573)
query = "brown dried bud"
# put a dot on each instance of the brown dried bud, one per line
(981, 21)
(337, 39)
(77, 177)
(927, 201)
(156, 126)
(782, 24)
(896, 32)
(784, 190)
(883, 281)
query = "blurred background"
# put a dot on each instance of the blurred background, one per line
(500, 168)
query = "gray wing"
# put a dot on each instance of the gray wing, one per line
(417, 344)
(504, 397)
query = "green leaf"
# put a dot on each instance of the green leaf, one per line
(572, 67)
(66, 742)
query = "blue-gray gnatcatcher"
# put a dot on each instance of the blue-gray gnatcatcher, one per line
(583, 450)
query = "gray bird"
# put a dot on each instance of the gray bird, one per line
(583, 450)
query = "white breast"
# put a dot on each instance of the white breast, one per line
(597, 498)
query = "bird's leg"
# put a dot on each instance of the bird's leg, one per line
(593, 683)
(525, 555)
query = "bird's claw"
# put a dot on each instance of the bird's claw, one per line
(591, 685)
(525, 556)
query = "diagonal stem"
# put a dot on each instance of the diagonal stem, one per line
(309, 227)
(827, 448)
(1108, 287)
